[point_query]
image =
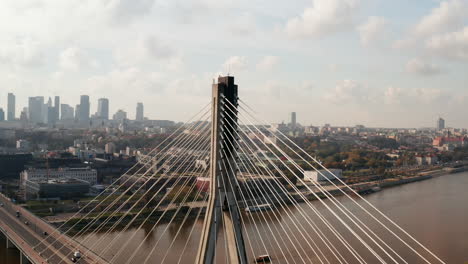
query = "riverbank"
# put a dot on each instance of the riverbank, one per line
(316, 193)
(373, 186)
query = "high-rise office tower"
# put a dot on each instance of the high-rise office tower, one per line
(77, 112)
(139, 112)
(84, 108)
(49, 113)
(2, 115)
(11, 113)
(103, 108)
(293, 119)
(120, 115)
(66, 112)
(57, 108)
(35, 107)
(440, 124)
(24, 115)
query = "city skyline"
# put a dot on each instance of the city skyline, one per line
(62, 111)
(67, 112)
(285, 57)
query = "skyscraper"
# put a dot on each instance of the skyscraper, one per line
(77, 112)
(66, 112)
(293, 119)
(2, 115)
(120, 115)
(35, 107)
(139, 112)
(57, 108)
(84, 108)
(11, 113)
(103, 108)
(440, 124)
(50, 113)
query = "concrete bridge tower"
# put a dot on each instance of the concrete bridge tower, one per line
(222, 204)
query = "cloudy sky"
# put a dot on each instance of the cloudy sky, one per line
(385, 63)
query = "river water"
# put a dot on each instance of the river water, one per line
(434, 211)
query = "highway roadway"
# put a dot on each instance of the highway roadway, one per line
(33, 234)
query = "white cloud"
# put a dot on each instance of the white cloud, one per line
(235, 64)
(21, 52)
(149, 50)
(393, 95)
(243, 25)
(129, 82)
(451, 45)
(420, 67)
(75, 59)
(124, 11)
(348, 91)
(373, 30)
(267, 63)
(323, 18)
(446, 16)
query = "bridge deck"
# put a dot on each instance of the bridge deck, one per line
(30, 238)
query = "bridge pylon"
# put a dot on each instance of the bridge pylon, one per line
(222, 209)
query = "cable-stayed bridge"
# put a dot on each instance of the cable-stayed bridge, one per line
(229, 189)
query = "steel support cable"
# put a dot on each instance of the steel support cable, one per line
(337, 204)
(197, 196)
(255, 225)
(280, 201)
(308, 219)
(237, 204)
(267, 225)
(130, 223)
(285, 231)
(349, 212)
(159, 218)
(240, 215)
(185, 150)
(118, 199)
(234, 193)
(128, 199)
(301, 210)
(57, 230)
(155, 195)
(285, 208)
(278, 219)
(155, 208)
(314, 210)
(64, 245)
(226, 253)
(334, 213)
(312, 207)
(260, 212)
(177, 211)
(349, 247)
(367, 202)
(289, 212)
(328, 195)
(190, 234)
(252, 221)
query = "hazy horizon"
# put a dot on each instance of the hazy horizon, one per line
(344, 62)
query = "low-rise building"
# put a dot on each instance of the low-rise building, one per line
(426, 160)
(23, 145)
(323, 175)
(38, 175)
(57, 188)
